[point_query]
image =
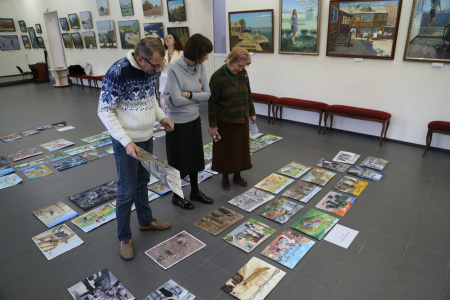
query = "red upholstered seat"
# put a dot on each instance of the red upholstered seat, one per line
(439, 125)
(360, 112)
(300, 103)
(265, 99)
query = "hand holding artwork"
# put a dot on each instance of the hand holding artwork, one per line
(212, 131)
(132, 150)
(167, 124)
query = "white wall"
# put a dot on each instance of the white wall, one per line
(413, 92)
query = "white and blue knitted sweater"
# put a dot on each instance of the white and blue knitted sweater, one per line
(128, 106)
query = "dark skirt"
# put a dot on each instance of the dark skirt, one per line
(232, 153)
(184, 146)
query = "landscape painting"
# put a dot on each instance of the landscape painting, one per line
(74, 22)
(103, 7)
(181, 32)
(428, 38)
(176, 10)
(363, 29)
(9, 42)
(7, 25)
(274, 183)
(280, 210)
(86, 20)
(315, 223)
(89, 40)
(301, 191)
(252, 30)
(251, 199)
(374, 163)
(40, 41)
(129, 34)
(69, 163)
(22, 26)
(155, 30)
(299, 26)
(33, 39)
(336, 203)
(38, 28)
(351, 185)
(126, 6)
(106, 34)
(96, 217)
(294, 169)
(64, 24)
(67, 40)
(152, 8)
(77, 41)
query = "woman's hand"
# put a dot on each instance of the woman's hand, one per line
(185, 94)
(212, 131)
(253, 118)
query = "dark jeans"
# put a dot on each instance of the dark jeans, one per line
(133, 180)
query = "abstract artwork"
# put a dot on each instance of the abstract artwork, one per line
(54, 214)
(315, 223)
(336, 203)
(218, 220)
(280, 210)
(274, 183)
(294, 169)
(57, 241)
(96, 196)
(251, 199)
(351, 185)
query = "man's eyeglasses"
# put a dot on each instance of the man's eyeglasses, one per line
(155, 66)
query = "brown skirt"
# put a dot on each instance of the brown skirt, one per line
(232, 153)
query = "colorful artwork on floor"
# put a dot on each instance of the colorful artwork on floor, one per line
(9, 180)
(332, 165)
(10, 137)
(218, 220)
(56, 145)
(93, 154)
(374, 163)
(54, 214)
(301, 191)
(25, 154)
(57, 241)
(288, 248)
(336, 203)
(315, 223)
(318, 176)
(351, 185)
(202, 176)
(170, 290)
(207, 150)
(346, 157)
(109, 150)
(69, 163)
(161, 188)
(96, 196)
(3, 161)
(367, 173)
(37, 171)
(280, 210)
(96, 217)
(274, 183)
(251, 199)
(101, 143)
(249, 235)
(294, 169)
(5, 170)
(96, 137)
(29, 132)
(78, 150)
(175, 249)
(30, 164)
(57, 155)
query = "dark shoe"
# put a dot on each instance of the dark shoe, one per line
(155, 225)
(241, 182)
(126, 250)
(181, 202)
(226, 185)
(200, 197)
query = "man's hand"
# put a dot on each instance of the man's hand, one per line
(132, 150)
(167, 124)
(253, 118)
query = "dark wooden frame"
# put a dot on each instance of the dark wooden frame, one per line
(28, 42)
(71, 42)
(171, 19)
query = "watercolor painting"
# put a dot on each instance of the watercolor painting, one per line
(294, 169)
(351, 185)
(318, 176)
(374, 163)
(280, 210)
(315, 223)
(336, 203)
(218, 220)
(54, 214)
(274, 183)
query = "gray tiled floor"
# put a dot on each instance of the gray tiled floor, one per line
(402, 250)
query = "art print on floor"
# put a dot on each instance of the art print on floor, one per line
(294, 169)
(29, 132)
(37, 171)
(101, 143)
(346, 157)
(25, 154)
(249, 235)
(170, 290)
(301, 191)
(177, 248)
(57, 241)
(218, 220)
(255, 280)
(336, 203)
(9, 180)
(374, 163)
(54, 214)
(96, 217)
(109, 150)
(366, 173)
(161, 188)
(274, 183)
(207, 150)
(315, 223)
(96, 196)
(288, 248)
(93, 154)
(102, 285)
(56, 145)
(80, 149)
(69, 163)
(256, 145)
(30, 164)
(280, 210)
(10, 137)
(318, 176)
(3, 161)
(333, 165)
(351, 185)
(341, 236)
(269, 139)
(251, 199)
(57, 155)
(5, 170)
(202, 176)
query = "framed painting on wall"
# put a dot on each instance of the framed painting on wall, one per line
(86, 20)
(74, 22)
(33, 40)
(428, 38)
(152, 8)
(90, 41)
(252, 30)
(9, 42)
(155, 30)
(64, 24)
(77, 41)
(129, 34)
(299, 27)
(103, 7)
(106, 34)
(181, 32)
(22, 26)
(38, 28)
(7, 25)
(40, 41)
(176, 10)
(26, 42)
(67, 40)
(363, 29)
(126, 6)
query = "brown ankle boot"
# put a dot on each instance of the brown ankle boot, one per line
(126, 250)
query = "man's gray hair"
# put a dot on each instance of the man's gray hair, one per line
(149, 45)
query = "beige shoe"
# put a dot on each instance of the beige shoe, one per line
(126, 250)
(155, 225)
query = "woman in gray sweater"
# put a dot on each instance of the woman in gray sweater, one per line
(186, 87)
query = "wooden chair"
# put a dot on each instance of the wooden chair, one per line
(442, 127)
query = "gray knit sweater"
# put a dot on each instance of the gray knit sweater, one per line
(183, 78)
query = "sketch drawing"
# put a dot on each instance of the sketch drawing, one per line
(251, 199)
(170, 290)
(96, 196)
(332, 165)
(56, 241)
(218, 220)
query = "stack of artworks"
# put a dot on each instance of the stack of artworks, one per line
(54, 214)
(318, 176)
(332, 165)
(251, 199)
(315, 223)
(280, 210)
(336, 203)
(351, 185)
(294, 169)
(218, 220)
(274, 183)
(96, 196)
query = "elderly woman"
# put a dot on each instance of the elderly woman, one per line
(186, 87)
(229, 108)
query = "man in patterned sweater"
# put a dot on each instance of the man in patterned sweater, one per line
(128, 107)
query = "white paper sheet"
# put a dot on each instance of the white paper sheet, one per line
(341, 236)
(162, 82)
(253, 127)
(65, 128)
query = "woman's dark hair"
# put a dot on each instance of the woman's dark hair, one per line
(178, 44)
(197, 46)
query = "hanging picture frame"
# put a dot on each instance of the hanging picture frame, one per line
(129, 33)
(86, 19)
(26, 42)
(103, 7)
(67, 40)
(9, 42)
(428, 38)
(64, 24)
(7, 25)
(252, 30)
(40, 41)
(22, 26)
(77, 41)
(126, 6)
(152, 8)
(38, 28)
(74, 21)
(299, 27)
(176, 10)
(181, 32)
(155, 30)
(363, 29)
(32, 35)
(90, 42)
(106, 34)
